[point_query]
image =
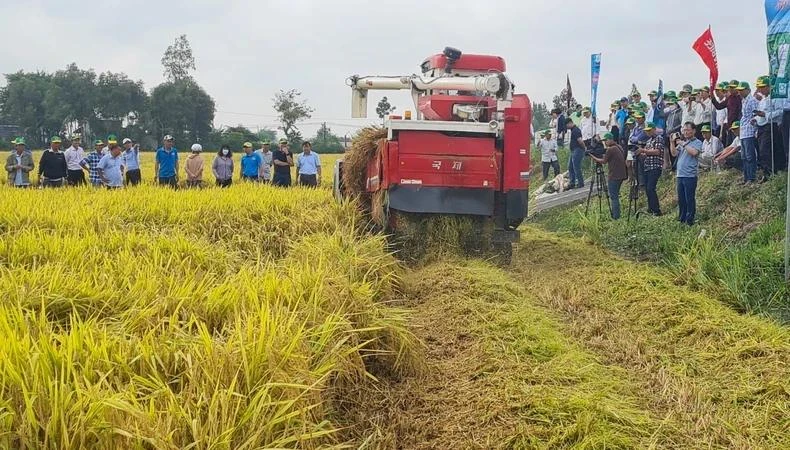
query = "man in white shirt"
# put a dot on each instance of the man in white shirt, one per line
(768, 119)
(548, 155)
(733, 148)
(705, 114)
(588, 126)
(75, 162)
(711, 147)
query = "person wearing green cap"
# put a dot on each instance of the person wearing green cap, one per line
(548, 155)
(748, 133)
(52, 168)
(283, 161)
(614, 158)
(768, 116)
(19, 165)
(731, 149)
(265, 172)
(733, 104)
(75, 162)
(650, 155)
(711, 146)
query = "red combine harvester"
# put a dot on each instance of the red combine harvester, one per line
(466, 151)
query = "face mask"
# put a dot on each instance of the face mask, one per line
(225, 152)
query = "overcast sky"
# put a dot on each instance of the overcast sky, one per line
(247, 50)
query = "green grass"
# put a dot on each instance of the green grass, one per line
(738, 258)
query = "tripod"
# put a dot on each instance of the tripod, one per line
(601, 189)
(633, 197)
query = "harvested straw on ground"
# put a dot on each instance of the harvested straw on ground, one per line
(355, 162)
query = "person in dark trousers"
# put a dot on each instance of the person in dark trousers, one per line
(166, 167)
(578, 148)
(561, 126)
(733, 103)
(52, 168)
(768, 115)
(131, 161)
(75, 162)
(614, 158)
(283, 161)
(250, 163)
(222, 167)
(548, 155)
(308, 166)
(652, 162)
(687, 149)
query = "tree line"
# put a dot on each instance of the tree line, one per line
(74, 100)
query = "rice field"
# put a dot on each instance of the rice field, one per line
(152, 318)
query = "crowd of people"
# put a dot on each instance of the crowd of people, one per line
(729, 126)
(114, 165)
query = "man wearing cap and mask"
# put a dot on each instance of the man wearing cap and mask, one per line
(93, 160)
(748, 133)
(75, 162)
(768, 118)
(52, 168)
(19, 165)
(131, 162)
(166, 166)
(265, 172)
(733, 104)
(548, 155)
(283, 161)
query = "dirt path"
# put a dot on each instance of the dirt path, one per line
(574, 348)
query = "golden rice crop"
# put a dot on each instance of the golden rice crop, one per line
(151, 318)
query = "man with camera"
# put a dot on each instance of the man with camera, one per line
(687, 149)
(614, 158)
(650, 154)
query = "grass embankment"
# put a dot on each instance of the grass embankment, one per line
(716, 378)
(739, 257)
(216, 319)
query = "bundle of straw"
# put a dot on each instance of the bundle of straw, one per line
(355, 162)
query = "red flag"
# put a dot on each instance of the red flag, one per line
(706, 48)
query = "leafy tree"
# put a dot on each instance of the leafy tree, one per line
(561, 101)
(291, 111)
(121, 106)
(71, 98)
(383, 109)
(182, 109)
(326, 142)
(22, 103)
(236, 136)
(267, 135)
(178, 60)
(540, 116)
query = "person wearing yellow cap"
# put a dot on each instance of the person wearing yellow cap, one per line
(265, 172)
(19, 165)
(250, 163)
(75, 162)
(767, 118)
(748, 132)
(283, 161)
(52, 168)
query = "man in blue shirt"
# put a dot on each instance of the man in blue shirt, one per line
(578, 148)
(111, 168)
(131, 162)
(250, 163)
(308, 166)
(687, 150)
(166, 167)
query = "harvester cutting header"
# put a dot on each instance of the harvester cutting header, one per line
(465, 151)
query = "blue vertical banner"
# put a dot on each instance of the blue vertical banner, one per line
(777, 14)
(595, 61)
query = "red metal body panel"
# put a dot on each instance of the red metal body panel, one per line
(440, 107)
(517, 142)
(481, 63)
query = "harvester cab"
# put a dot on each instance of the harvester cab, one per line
(465, 151)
